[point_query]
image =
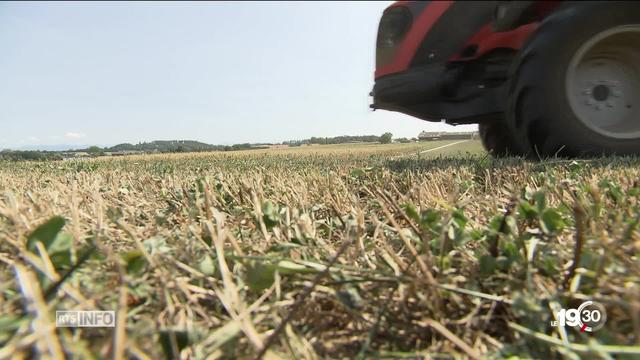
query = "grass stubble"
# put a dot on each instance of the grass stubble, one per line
(326, 252)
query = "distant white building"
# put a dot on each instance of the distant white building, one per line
(443, 135)
(429, 135)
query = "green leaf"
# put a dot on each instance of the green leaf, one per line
(260, 276)
(495, 223)
(60, 251)
(430, 221)
(62, 243)
(356, 173)
(224, 334)
(206, 236)
(312, 266)
(135, 260)
(503, 263)
(283, 247)
(452, 234)
(527, 211)
(616, 194)
(510, 250)
(207, 266)
(156, 245)
(476, 234)
(588, 260)
(269, 215)
(540, 201)
(488, 264)
(201, 185)
(61, 260)
(575, 167)
(528, 193)
(550, 266)
(45, 233)
(58, 245)
(290, 267)
(90, 248)
(173, 341)
(459, 219)
(10, 323)
(412, 213)
(350, 298)
(511, 225)
(551, 221)
(430, 216)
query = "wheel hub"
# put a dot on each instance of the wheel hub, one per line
(603, 82)
(601, 92)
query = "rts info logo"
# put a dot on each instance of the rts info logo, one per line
(589, 316)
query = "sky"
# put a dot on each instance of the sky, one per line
(105, 73)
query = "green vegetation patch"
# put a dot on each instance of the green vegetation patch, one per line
(374, 253)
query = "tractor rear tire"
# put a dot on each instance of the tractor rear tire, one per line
(497, 139)
(575, 90)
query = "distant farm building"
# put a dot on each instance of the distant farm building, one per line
(126, 152)
(431, 136)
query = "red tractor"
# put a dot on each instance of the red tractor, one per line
(541, 78)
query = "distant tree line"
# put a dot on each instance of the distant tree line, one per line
(178, 146)
(344, 139)
(171, 146)
(19, 155)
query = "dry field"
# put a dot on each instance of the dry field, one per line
(360, 251)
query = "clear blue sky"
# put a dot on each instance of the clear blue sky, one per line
(223, 73)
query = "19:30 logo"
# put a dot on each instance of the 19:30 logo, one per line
(589, 316)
